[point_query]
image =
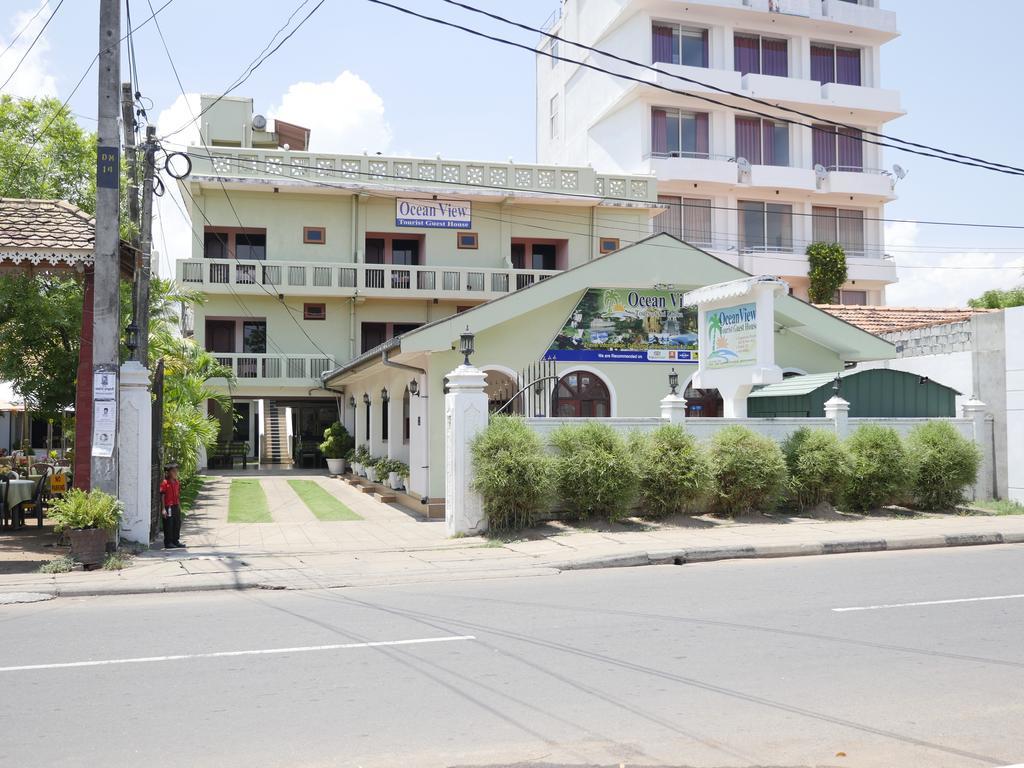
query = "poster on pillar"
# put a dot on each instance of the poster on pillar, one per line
(104, 427)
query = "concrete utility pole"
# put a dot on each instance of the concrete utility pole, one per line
(130, 154)
(106, 308)
(146, 245)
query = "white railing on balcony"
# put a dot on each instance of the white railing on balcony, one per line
(281, 369)
(389, 280)
(453, 175)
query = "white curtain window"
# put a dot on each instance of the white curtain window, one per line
(839, 225)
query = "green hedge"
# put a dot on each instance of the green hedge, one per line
(673, 471)
(942, 463)
(819, 466)
(749, 470)
(879, 470)
(595, 473)
(513, 474)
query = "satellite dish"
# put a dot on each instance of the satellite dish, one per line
(900, 172)
(259, 122)
(743, 164)
(820, 171)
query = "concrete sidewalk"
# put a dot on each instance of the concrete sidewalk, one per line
(344, 556)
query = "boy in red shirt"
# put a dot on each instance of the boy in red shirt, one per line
(170, 495)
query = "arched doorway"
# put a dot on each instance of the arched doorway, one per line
(581, 393)
(500, 388)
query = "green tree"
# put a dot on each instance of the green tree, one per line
(826, 263)
(58, 164)
(999, 299)
(40, 330)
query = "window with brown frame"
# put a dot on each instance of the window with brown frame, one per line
(314, 235)
(467, 240)
(609, 244)
(314, 311)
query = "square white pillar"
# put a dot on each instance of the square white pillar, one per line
(135, 452)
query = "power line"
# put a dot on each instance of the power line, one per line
(21, 31)
(726, 91)
(404, 181)
(594, 67)
(181, 87)
(647, 233)
(63, 106)
(31, 45)
(251, 69)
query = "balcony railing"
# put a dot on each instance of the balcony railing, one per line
(385, 280)
(278, 369)
(454, 176)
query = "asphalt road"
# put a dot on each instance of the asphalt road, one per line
(723, 664)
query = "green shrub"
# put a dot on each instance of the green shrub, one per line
(879, 472)
(942, 463)
(512, 473)
(337, 441)
(673, 472)
(818, 464)
(749, 470)
(62, 564)
(85, 509)
(595, 472)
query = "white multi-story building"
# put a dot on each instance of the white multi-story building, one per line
(751, 190)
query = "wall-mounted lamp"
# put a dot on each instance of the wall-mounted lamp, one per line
(366, 399)
(384, 396)
(352, 401)
(414, 388)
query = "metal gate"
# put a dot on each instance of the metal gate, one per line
(537, 382)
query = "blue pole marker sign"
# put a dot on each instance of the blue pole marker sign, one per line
(436, 214)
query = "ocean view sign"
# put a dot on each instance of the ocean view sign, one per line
(615, 325)
(436, 214)
(732, 336)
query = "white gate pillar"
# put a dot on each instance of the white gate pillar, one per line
(838, 410)
(977, 412)
(419, 442)
(465, 415)
(135, 451)
(673, 409)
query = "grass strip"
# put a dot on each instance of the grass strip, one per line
(247, 503)
(321, 503)
(999, 507)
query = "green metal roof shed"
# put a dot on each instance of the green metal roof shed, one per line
(875, 393)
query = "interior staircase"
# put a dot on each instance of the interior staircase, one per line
(276, 448)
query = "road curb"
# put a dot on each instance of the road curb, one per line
(673, 556)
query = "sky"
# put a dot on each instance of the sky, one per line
(364, 77)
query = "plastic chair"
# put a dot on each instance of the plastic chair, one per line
(5, 481)
(38, 503)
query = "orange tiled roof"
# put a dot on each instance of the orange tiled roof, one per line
(49, 225)
(879, 320)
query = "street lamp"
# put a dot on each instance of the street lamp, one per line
(673, 382)
(131, 339)
(466, 345)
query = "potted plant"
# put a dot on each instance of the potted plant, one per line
(336, 442)
(360, 459)
(396, 471)
(89, 517)
(371, 469)
(350, 458)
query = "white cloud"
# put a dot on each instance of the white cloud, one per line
(33, 77)
(921, 284)
(344, 115)
(171, 230)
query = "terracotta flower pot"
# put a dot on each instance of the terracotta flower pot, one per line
(89, 545)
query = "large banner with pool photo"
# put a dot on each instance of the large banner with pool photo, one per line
(617, 325)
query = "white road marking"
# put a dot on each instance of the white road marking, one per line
(226, 654)
(931, 602)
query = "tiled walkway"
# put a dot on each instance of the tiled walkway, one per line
(294, 528)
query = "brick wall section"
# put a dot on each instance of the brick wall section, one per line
(932, 340)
